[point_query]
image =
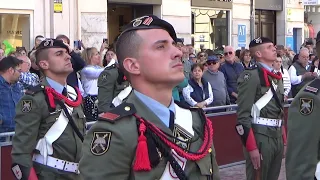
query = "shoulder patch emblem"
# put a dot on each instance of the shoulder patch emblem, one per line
(306, 106)
(240, 129)
(100, 143)
(104, 77)
(109, 116)
(183, 137)
(26, 106)
(17, 171)
(246, 76)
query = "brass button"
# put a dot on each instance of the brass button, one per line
(210, 150)
(127, 108)
(210, 170)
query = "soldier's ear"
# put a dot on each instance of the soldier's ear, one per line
(44, 65)
(131, 65)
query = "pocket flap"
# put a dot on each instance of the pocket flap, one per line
(205, 165)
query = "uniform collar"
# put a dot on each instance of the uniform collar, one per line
(266, 66)
(55, 85)
(161, 111)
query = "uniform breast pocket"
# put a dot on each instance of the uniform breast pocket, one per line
(80, 120)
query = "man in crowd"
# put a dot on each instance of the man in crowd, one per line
(286, 62)
(302, 159)
(10, 92)
(260, 113)
(217, 82)
(139, 131)
(50, 122)
(27, 79)
(76, 60)
(231, 71)
(300, 73)
(186, 63)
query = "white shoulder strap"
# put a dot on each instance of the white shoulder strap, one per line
(262, 102)
(44, 144)
(121, 96)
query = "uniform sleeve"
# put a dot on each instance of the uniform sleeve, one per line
(26, 131)
(247, 88)
(303, 137)
(116, 161)
(106, 85)
(247, 82)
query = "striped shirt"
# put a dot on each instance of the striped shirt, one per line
(286, 82)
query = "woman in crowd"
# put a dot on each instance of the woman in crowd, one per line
(21, 50)
(277, 65)
(89, 78)
(315, 63)
(202, 57)
(245, 59)
(199, 92)
(110, 54)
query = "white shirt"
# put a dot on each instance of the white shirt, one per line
(293, 76)
(188, 90)
(286, 81)
(89, 78)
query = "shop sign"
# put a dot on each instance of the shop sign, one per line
(57, 6)
(242, 35)
(311, 2)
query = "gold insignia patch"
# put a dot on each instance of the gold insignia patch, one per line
(100, 143)
(26, 106)
(183, 136)
(306, 106)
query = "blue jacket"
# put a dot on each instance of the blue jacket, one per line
(231, 73)
(198, 92)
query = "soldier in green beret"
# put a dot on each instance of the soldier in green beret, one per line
(303, 153)
(260, 113)
(149, 136)
(50, 122)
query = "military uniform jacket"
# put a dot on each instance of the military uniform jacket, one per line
(252, 85)
(33, 123)
(303, 151)
(117, 158)
(110, 82)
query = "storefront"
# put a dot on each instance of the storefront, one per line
(265, 18)
(121, 12)
(210, 22)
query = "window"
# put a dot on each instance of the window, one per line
(15, 29)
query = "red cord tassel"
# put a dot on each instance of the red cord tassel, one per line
(142, 162)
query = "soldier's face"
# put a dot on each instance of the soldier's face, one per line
(159, 59)
(58, 61)
(268, 52)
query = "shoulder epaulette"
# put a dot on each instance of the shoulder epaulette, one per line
(123, 110)
(34, 90)
(110, 67)
(313, 87)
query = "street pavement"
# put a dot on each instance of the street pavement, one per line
(238, 172)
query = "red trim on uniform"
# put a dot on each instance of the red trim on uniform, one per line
(267, 73)
(53, 94)
(284, 135)
(32, 174)
(251, 141)
(201, 153)
(142, 162)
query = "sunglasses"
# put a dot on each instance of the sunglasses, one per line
(201, 55)
(209, 63)
(226, 53)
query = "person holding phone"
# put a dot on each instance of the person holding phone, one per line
(89, 78)
(300, 73)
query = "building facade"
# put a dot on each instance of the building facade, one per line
(208, 24)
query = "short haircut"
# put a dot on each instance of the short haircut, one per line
(41, 54)
(303, 49)
(62, 36)
(280, 47)
(39, 36)
(128, 45)
(197, 65)
(9, 62)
